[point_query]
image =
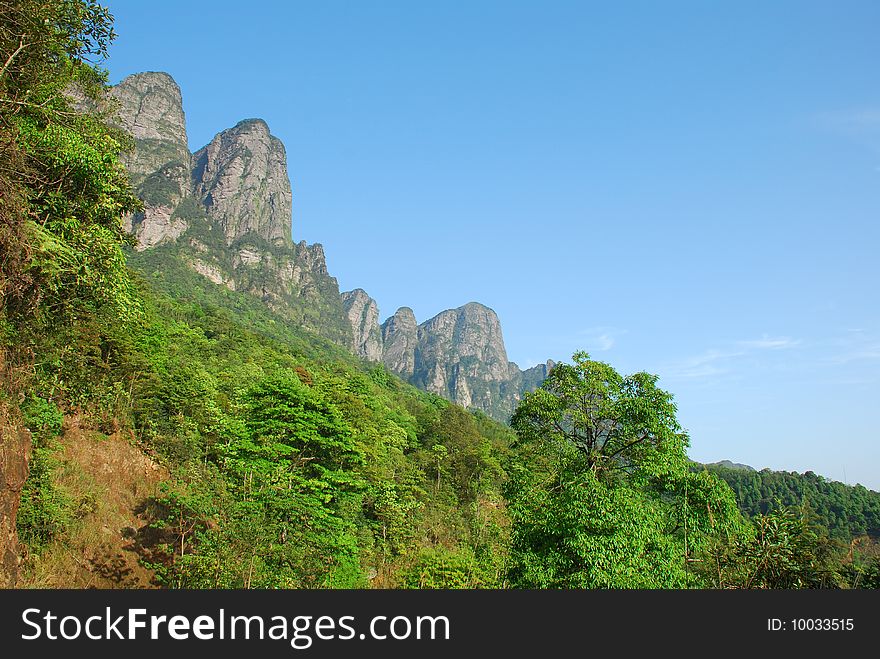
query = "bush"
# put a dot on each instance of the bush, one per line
(439, 567)
(44, 511)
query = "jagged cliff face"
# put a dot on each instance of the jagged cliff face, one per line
(461, 356)
(152, 112)
(226, 211)
(458, 354)
(400, 337)
(241, 178)
(363, 314)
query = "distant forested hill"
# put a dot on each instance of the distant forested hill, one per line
(846, 510)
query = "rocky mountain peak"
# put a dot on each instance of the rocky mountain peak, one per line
(461, 355)
(399, 338)
(458, 354)
(151, 110)
(226, 211)
(363, 314)
(241, 178)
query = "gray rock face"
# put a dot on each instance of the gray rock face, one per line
(151, 110)
(155, 226)
(458, 354)
(241, 178)
(226, 211)
(531, 378)
(461, 356)
(363, 314)
(400, 336)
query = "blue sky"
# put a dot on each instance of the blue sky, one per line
(687, 188)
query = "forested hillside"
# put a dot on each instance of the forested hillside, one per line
(846, 511)
(292, 464)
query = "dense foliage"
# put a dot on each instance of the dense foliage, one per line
(846, 511)
(64, 191)
(604, 497)
(293, 464)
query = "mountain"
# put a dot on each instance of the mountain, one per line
(458, 354)
(727, 464)
(241, 179)
(846, 511)
(151, 110)
(363, 314)
(226, 211)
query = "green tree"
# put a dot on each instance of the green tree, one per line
(601, 495)
(783, 549)
(621, 425)
(44, 510)
(293, 469)
(64, 191)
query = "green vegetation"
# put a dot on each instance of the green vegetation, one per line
(293, 464)
(64, 191)
(781, 550)
(604, 497)
(160, 188)
(318, 309)
(846, 511)
(44, 510)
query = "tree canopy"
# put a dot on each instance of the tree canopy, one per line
(621, 425)
(64, 191)
(603, 496)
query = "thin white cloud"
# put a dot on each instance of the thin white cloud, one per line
(705, 364)
(600, 339)
(716, 361)
(695, 372)
(864, 353)
(861, 125)
(769, 343)
(854, 345)
(865, 119)
(712, 356)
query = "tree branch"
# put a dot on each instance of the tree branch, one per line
(21, 46)
(627, 446)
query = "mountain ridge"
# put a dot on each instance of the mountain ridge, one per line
(226, 210)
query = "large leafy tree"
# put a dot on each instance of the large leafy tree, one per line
(63, 191)
(602, 495)
(621, 425)
(293, 464)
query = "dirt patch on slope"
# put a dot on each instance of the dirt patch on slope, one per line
(109, 479)
(15, 449)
